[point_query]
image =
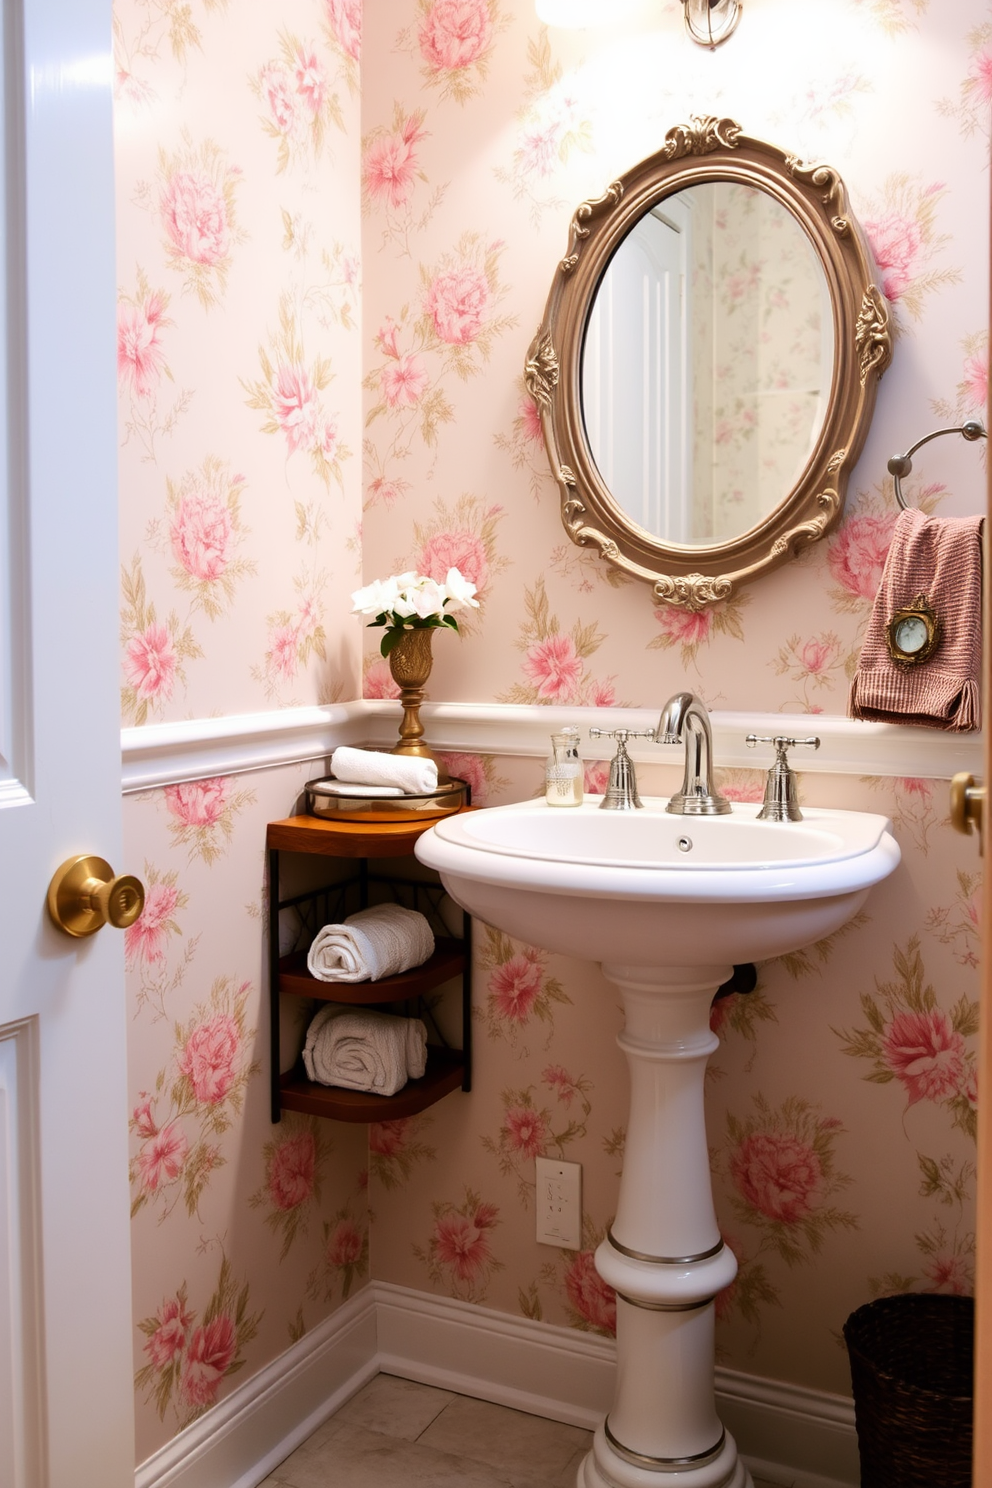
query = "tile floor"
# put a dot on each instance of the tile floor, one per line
(397, 1434)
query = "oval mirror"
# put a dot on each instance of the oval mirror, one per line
(707, 363)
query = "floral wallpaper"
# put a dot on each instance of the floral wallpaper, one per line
(841, 1103)
(238, 354)
(336, 235)
(760, 356)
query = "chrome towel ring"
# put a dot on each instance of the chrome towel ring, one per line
(901, 465)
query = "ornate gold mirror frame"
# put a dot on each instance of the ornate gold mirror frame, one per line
(710, 149)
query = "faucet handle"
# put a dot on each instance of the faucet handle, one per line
(621, 735)
(781, 801)
(621, 790)
(780, 741)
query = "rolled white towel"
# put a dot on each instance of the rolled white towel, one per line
(417, 777)
(374, 943)
(359, 1049)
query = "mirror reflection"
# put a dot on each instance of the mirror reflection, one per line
(707, 363)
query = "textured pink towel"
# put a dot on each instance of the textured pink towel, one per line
(940, 557)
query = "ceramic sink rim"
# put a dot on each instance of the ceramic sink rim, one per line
(856, 850)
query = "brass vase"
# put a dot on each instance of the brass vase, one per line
(410, 663)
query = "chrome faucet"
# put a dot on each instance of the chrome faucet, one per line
(684, 719)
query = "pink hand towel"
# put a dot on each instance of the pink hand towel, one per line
(940, 557)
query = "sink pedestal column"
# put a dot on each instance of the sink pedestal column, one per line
(664, 1254)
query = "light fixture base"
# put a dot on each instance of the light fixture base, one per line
(710, 22)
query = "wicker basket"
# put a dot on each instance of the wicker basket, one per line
(911, 1366)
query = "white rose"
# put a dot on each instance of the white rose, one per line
(429, 599)
(459, 589)
(405, 604)
(374, 598)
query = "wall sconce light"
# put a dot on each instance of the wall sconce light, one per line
(711, 21)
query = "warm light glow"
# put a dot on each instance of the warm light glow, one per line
(574, 14)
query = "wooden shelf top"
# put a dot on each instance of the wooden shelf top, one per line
(447, 961)
(337, 839)
(444, 1073)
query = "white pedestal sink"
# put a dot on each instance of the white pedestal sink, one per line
(667, 904)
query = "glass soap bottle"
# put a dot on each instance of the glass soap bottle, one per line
(563, 772)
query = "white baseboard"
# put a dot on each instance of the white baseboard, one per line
(244, 1438)
(787, 1434)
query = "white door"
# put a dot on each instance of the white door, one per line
(636, 423)
(65, 1389)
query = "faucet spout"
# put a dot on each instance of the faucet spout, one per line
(684, 720)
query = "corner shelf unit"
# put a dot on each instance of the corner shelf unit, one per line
(447, 1069)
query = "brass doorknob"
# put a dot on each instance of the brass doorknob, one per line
(967, 804)
(84, 895)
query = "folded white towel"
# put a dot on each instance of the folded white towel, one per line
(417, 777)
(374, 943)
(364, 1050)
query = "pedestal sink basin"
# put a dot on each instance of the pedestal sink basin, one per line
(667, 904)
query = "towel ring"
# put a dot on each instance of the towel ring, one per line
(901, 465)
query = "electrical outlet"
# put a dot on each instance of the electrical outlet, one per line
(559, 1203)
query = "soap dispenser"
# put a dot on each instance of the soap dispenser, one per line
(563, 772)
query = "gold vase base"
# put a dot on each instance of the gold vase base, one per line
(322, 802)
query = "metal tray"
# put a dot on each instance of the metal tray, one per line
(335, 800)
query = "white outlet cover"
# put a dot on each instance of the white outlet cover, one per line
(558, 1188)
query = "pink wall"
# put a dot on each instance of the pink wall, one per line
(841, 1102)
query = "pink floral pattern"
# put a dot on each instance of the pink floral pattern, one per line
(140, 355)
(395, 186)
(959, 925)
(455, 41)
(205, 529)
(202, 815)
(856, 556)
(450, 333)
(458, 1253)
(344, 19)
(297, 101)
(592, 1301)
(197, 208)
(345, 1257)
(553, 123)
(520, 989)
(396, 1148)
(154, 652)
(142, 368)
(554, 661)
(782, 1169)
(692, 629)
(479, 771)
(971, 107)
(294, 637)
(289, 395)
(902, 230)
(202, 1093)
(909, 1038)
(145, 939)
(189, 1360)
(530, 1130)
(290, 1192)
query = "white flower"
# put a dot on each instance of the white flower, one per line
(404, 605)
(414, 597)
(428, 599)
(460, 591)
(375, 598)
